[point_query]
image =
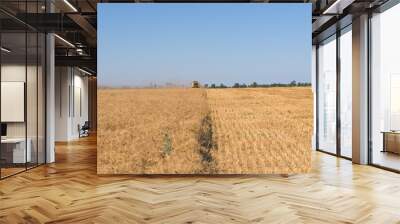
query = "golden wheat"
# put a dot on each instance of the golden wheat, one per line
(136, 124)
(262, 130)
(156, 131)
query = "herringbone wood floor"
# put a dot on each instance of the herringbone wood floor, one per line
(69, 191)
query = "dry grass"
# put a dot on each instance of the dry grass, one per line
(262, 130)
(149, 130)
(190, 131)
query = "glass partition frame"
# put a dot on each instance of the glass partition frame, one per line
(30, 56)
(381, 72)
(337, 134)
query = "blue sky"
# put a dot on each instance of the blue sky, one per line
(142, 44)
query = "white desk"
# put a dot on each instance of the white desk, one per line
(18, 144)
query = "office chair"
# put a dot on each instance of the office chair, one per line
(84, 130)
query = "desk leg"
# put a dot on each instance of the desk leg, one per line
(384, 142)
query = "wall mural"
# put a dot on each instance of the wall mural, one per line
(203, 89)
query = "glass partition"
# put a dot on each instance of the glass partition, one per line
(346, 93)
(31, 100)
(23, 91)
(385, 89)
(14, 153)
(327, 95)
(41, 88)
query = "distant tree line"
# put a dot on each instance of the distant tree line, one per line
(256, 85)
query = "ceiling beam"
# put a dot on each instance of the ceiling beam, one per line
(85, 25)
(81, 61)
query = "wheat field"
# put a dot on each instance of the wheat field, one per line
(262, 130)
(204, 131)
(137, 126)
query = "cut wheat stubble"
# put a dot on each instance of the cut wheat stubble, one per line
(200, 131)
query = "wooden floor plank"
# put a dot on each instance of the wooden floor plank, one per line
(70, 191)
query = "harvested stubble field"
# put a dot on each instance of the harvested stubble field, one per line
(194, 131)
(262, 130)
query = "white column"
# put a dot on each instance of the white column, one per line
(360, 90)
(50, 99)
(50, 92)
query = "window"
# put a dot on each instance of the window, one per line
(327, 95)
(346, 92)
(385, 89)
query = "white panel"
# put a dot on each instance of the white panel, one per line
(77, 113)
(12, 101)
(395, 102)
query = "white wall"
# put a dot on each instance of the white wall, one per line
(62, 82)
(81, 89)
(71, 87)
(386, 67)
(33, 127)
(12, 73)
